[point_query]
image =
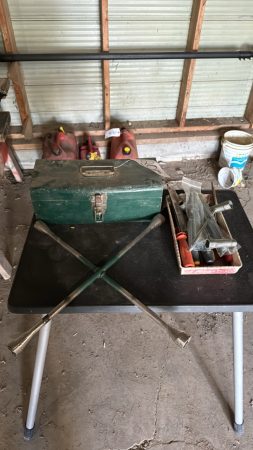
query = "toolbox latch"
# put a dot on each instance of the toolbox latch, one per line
(99, 204)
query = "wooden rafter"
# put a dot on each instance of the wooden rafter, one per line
(105, 64)
(18, 81)
(249, 109)
(197, 16)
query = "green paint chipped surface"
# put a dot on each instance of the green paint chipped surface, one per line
(61, 194)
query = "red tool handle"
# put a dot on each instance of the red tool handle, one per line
(186, 257)
(229, 258)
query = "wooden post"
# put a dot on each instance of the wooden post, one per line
(197, 16)
(14, 166)
(105, 64)
(18, 81)
(249, 109)
(7, 156)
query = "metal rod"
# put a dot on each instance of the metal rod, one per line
(11, 57)
(19, 343)
(213, 229)
(191, 247)
(36, 382)
(238, 370)
(178, 336)
(180, 216)
(224, 206)
(220, 243)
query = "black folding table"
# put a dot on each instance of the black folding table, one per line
(47, 273)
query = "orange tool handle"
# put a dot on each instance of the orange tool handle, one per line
(186, 257)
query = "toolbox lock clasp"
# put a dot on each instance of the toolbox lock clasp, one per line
(99, 205)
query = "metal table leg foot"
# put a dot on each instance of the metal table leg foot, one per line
(36, 383)
(238, 371)
(28, 434)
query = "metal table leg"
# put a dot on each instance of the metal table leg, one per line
(36, 383)
(238, 370)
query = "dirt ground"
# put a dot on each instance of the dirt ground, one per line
(114, 381)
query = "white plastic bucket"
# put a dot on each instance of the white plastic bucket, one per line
(229, 177)
(236, 146)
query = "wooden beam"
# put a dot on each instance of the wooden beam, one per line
(14, 166)
(10, 47)
(105, 64)
(3, 158)
(197, 16)
(145, 127)
(141, 139)
(28, 129)
(249, 109)
(79, 129)
(14, 74)
(171, 126)
(6, 27)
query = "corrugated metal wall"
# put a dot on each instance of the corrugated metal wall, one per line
(140, 90)
(147, 90)
(59, 91)
(9, 104)
(221, 87)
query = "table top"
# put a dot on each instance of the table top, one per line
(47, 273)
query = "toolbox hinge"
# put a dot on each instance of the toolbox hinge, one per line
(99, 204)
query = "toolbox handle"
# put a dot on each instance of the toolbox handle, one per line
(97, 171)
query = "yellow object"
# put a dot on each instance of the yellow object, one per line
(61, 129)
(93, 156)
(127, 149)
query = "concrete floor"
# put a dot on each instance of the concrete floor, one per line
(114, 381)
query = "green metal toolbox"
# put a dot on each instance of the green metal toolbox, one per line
(71, 192)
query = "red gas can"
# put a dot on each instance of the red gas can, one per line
(60, 145)
(124, 146)
(89, 150)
